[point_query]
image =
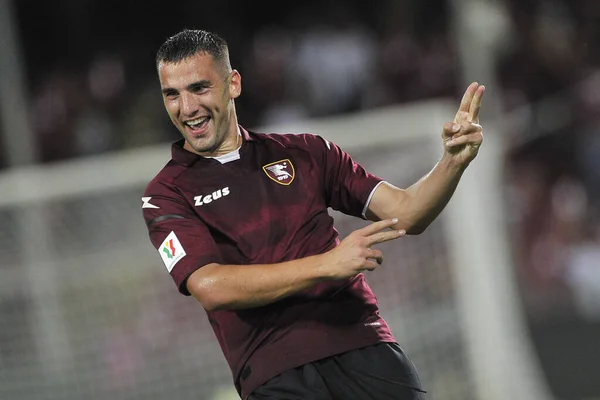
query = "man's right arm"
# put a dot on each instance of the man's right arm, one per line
(234, 287)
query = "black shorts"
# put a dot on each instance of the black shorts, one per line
(378, 372)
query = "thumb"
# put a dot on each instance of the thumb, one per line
(450, 129)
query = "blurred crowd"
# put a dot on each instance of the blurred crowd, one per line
(93, 89)
(550, 80)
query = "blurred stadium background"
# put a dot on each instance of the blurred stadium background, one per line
(499, 299)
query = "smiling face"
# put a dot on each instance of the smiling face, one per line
(199, 94)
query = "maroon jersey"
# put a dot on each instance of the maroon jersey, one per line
(265, 205)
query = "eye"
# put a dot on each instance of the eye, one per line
(200, 88)
(170, 94)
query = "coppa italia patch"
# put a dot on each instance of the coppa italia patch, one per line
(171, 251)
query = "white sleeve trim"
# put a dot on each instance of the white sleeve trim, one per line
(366, 207)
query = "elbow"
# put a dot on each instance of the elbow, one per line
(212, 306)
(203, 287)
(205, 295)
(416, 226)
(201, 291)
(416, 229)
(207, 302)
(412, 227)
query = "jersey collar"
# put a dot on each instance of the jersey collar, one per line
(187, 158)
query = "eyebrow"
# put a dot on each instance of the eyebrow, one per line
(199, 84)
(203, 83)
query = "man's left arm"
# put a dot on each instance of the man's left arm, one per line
(417, 206)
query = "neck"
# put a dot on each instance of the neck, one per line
(232, 142)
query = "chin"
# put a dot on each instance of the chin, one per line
(202, 146)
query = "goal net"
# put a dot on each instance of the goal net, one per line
(89, 311)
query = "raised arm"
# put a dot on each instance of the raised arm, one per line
(232, 287)
(417, 206)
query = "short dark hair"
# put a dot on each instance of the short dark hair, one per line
(189, 42)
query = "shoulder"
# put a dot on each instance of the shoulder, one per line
(163, 195)
(165, 180)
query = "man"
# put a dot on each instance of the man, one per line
(240, 220)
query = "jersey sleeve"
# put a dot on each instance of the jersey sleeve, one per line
(183, 241)
(348, 186)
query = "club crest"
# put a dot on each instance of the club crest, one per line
(281, 171)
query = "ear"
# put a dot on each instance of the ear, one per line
(235, 84)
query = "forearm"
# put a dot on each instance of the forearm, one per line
(427, 198)
(417, 206)
(234, 287)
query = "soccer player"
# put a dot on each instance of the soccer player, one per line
(240, 220)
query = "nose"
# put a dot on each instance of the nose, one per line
(187, 105)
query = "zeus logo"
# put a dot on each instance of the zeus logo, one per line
(216, 195)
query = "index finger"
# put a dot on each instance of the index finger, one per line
(465, 103)
(378, 226)
(386, 236)
(476, 105)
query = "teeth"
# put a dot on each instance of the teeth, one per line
(196, 121)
